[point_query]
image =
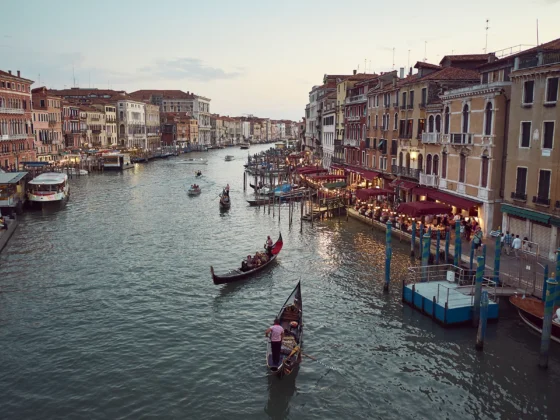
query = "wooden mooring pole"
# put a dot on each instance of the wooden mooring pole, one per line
(552, 286)
(457, 259)
(497, 256)
(413, 239)
(481, 333)
(478, 289)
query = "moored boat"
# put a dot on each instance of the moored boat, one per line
(531, 311)
(244, 146)
(198, 174)
(291, 319)
(117, 161)
(49, 187)
(240, 274)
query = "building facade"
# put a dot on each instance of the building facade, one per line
(71, 124)
(131, 120)
(202, 114)
(47, 109)
(531, 205)
(328, 125)
(16, 129)
(153, 130)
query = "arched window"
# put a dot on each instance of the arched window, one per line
(420, 161)
(446, 122)
(407, 160)
(466, 119)
(438, 124)
(396, 122)
(435, 165)
(488, 124)
(484, 170)
(429, 164)
(401, 159)
(431, 124)
(444, 165)
(121, 130)
(462, 167)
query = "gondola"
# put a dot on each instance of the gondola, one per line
(225, 202)
(239, 274)
(194, 190)
(198, 174)
(531, 311)
(291, 319)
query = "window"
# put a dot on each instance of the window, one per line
(429, 164)
(424, 96)
(548, 134)
(376, 121)
(528, 88)
(552, 89)
(484, 172)
(465, 119)
(421, 124)
(462, 167)
(363, 157)
(438, 124)
(396, 121)
(400, 159)
(484, 78)
(525, 139)
(373, 162)
(431, 124)
(404, 99)
(435, 165)
(420, 161)
(411, 97)
(42, 102)
(446, 121)
(488, 122)
(543, 193)
(369, 121)
(521, 182)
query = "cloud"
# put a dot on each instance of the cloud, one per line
(189, 68)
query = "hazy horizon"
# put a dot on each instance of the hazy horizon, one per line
(250, 57)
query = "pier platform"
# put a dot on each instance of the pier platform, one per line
(447, 295)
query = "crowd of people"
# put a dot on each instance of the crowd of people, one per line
(511, 242)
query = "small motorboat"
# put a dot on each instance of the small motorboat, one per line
(291, 319)
(531, 311)
(244, 146)
(195, 161)
(74, 171)
(229, 158)
(194, 190)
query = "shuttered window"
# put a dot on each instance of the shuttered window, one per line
(484, 174)
(521, 181)
(462, 168)
(446, 122)
(525, 134)
(548, 135)
(552, 89)
(528, 89)
(544, 184)
(488, 124)
(444, 165)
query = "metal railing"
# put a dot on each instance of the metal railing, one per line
(461, 138)
(431, 138)
(404, 171)
(519, 196)
(5, 110)
(355, 98)
(429, 180)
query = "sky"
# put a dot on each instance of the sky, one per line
(251, 57)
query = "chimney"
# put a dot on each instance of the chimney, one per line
(410, 72)
(18, 74)
(353, 71)
(401, 73)
(10, 72)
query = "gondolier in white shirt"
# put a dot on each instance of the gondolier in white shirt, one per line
(276, 335)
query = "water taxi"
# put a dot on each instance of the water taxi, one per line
(50, 187)
(117, 161)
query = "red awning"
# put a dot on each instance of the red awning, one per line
(364, 194)
(451, 199)
(336, 166)
(326, 177)
(313, 171)
(423, 208)
(405, 185)
(369, 175)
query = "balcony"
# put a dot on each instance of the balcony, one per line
(353, 118)
(8, 137)
(52, 123)
(461, 138)
(403, 107)
(407, 172)
(519, 196)
(527, 62)
(4, 110)
(541, 201)
(431, 138)
(410, 106)
(354, 99)
(351, 142)
(428, 180)
(395, 104)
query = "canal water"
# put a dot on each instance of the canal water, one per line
(108, 311)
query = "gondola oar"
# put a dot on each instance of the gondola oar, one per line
(321, 363)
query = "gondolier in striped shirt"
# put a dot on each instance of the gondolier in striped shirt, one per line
(276, 335)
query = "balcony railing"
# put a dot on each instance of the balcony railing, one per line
(461, 138)
(551, 58)
(422, 105)
(519, 196)
(4, 110)
(410, 106)
(8, 137)
(353, 118)
(526, 62)
(407, 172)
(351, 142)
(429, 180)
(356, 98)
(541, 201)
(431, 138)
(395, 104)
(403, 106)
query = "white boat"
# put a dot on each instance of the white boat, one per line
(194, 190)
(49, 187)
(195, 161)
(229, 158)
(74, 171)
(117, 161)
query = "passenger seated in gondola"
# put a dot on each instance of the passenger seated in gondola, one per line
(247, 264)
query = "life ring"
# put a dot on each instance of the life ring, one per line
(294, 324)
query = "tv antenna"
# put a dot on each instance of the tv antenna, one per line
(393, 58)
(486, 44)
(73, 76)
(425, 48)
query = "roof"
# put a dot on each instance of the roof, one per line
(147, 94)
(422, 64)
(11, 177)
(6, 74)
(453, 73)
(75, 91)
(551, 45)
(466, 57)
(49, 178)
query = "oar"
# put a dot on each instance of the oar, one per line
(311, 357)
(321, 363)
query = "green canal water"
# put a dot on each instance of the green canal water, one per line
(108, 311)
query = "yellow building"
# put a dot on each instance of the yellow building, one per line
(110, 112)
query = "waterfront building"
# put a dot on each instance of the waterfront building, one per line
(312, 116)
(245, 130)
(217, 130)
(202, 114)
(153, 129)
(328, 134)
(47, 124)
(131, 117)
(71, 124)
(178, 129)
(16, 129)
(531, 205)
(109, 111)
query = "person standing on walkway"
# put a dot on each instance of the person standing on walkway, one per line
(508, 239)
(516, 245)
(477, 239)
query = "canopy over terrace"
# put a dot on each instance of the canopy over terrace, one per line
(325, 177)
(335, 185)
(423, 208)
(366, 193)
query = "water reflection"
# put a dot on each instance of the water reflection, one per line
(280, 393)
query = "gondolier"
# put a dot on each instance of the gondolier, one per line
(276, 335)
(268, 246)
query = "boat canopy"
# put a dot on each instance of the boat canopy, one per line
(49, 178)
(12, 177)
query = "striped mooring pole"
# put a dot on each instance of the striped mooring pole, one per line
(478, 289)
(388, 255)
(457, 243)
(471, 259)
(413, 240)
(425, 257)
(544, 282)
(497, 257)
(551, 293)
(438, 235)
(483, 321)
(421, 237)
(447, 241)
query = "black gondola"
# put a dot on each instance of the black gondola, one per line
(198, 173)
(225, 202)
(291, 319)
(239, 274)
